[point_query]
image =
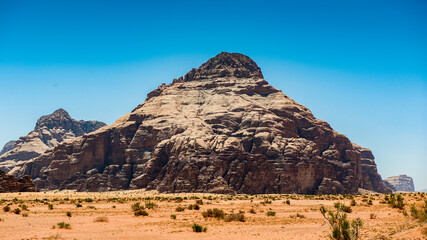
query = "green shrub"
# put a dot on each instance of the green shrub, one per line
(137, 206)
(343, 207)
(214, 213)
(199, 201)
(25, 214)
(240, 217)
(420, 214)
(180, 209)
(288, 202)
(353, 202)
(271, 213)
(396, 201)
(193, 206)
(340, 226)
(88, 200)
(252, 211)
(140, 212)
(78, 205)
(6, 208)
(50, 206)
(17, 211)
(199, 228)
(68, 214)
(150, 205)
(24, 207)
(173, 216)
(297, 216)
(64, 225)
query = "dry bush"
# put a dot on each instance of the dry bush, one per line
(101, 219)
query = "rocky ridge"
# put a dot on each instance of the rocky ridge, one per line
(7, 147)
(370, 178)
(48, 132)
(221, 129)
(9, 183)
(401, 183)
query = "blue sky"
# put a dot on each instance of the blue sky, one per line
(359, 65)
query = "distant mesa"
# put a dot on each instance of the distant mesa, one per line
(221, 128)
(48, 132)
(401, 183)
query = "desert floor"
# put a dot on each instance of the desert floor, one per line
(109, 215)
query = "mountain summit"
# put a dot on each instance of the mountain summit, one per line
(222, 129)
(226, 65)
(49, 131)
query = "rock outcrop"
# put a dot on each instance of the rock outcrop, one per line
(390, 186)
(48, 132)
(7, 147)
(10, 183)
(401, 183)
(221, 129)
(371, 180)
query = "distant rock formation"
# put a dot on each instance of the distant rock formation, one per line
(220, 129)
(7, 147)
(49, 131)
(9, 183)
(401, 183)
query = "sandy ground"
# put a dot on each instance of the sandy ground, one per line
(119, 221)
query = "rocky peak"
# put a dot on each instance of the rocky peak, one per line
(226, 65)
(49, 131)
(56, 119)
(7, 147)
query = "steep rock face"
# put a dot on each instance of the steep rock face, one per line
(401, 183)
(389, 186)
(221, 128)
(49, 131)
(371, 180)
(7, 147)
(9, 183)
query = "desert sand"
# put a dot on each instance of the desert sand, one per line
(109, 215)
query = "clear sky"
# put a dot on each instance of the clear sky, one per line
(359, 65)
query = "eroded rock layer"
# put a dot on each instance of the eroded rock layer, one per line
(221, 129)
(371, 180)
(10, 183)
(49, 131)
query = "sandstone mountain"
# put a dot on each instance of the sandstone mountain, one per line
(7, 147)
(49, 131)
(401, 183)
(221, 129)
(9, 183)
